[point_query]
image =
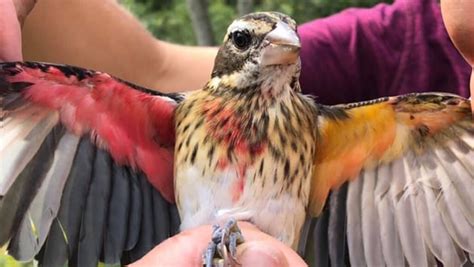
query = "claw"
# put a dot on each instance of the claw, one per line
(209, 254)
(222, 250)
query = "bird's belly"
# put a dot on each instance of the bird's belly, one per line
(277, 211)
(250, 166)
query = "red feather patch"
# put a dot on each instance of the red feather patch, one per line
(135, 127)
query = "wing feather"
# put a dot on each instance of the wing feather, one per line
(458, 180)
(16, 155)
(354, 224)
(44, 207)
(162, 219)
(16, 201)
(389, 238)
(370, 220)
(87, 162)
(413, 200)
(146, 235)
(55, 250)
(135, 218)
(175, 219)
(457, 147)
(61, 242)
(134, 124)
(323, 241)
(18, 124)
(450, 204)
(75, 195)
(93, 223)
(119, 210)
(337, 227)
(406, 216)
(433, 228)
(321, 246)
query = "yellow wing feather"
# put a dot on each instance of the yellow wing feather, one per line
(373, 134)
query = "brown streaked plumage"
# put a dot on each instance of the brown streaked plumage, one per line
(250, 134)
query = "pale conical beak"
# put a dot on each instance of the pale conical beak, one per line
(282, 46)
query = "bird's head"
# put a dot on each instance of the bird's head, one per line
(260, 52)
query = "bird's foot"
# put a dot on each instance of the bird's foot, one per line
(222, 250)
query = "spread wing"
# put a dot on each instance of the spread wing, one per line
(86, 165)
(394, 183)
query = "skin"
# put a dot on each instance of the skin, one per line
(13, 14)
(144, 60)
(457, 16)
(186, 249)
(136, 47)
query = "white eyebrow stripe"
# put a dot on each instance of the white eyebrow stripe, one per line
(240, 25)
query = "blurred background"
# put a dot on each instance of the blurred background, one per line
(204, 22)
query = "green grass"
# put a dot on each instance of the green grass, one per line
(8, 261)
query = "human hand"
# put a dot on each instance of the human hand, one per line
(459, 22)
(186, 249)
(13, 13)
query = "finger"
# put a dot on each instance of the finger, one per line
(252, 233)
(23, 8)
(10, 35)
(260, 253)
(184, 249)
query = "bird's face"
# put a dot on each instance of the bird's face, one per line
(258, 47)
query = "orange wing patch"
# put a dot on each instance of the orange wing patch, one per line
(347, 145)
(377, 133)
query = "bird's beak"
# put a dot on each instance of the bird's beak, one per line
(281, 46)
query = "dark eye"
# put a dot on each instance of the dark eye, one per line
(241, 39)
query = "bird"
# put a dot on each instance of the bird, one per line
(95, 168)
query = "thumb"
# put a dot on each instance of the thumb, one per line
(23, 8)
(260, 253)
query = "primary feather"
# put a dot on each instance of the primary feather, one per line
(44, 208)
(71, 147)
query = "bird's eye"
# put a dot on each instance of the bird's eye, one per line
(241, 39)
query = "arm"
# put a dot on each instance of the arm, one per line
(101, 35)
(457, 16)
(361, 54)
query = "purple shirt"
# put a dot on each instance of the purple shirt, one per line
(362, 54)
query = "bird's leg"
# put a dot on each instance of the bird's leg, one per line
(222, 249)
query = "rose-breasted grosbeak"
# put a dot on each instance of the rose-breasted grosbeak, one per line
(390, 179)
(246, 142)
